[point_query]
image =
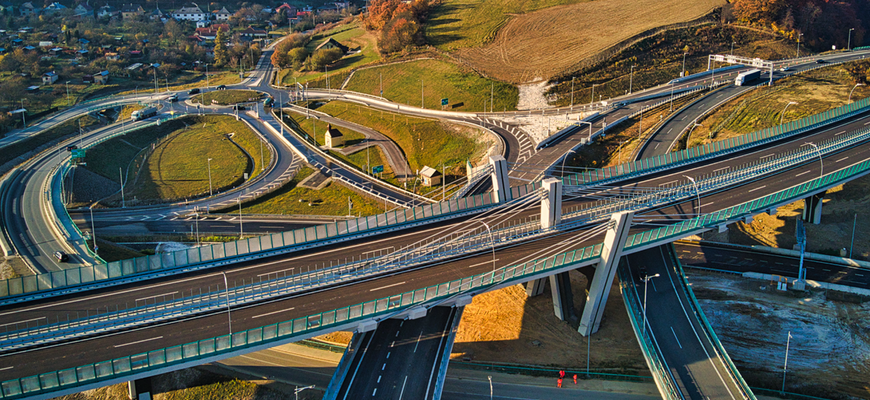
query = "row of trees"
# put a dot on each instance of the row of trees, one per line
(398, 23)
(823, 23)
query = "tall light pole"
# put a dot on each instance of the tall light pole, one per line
(853, 89)
(210, 193)
(798, 51)
(490, 386)
(684, 66)
(849, 47)
(241, 224)
(732, 48)
(94, 233)
(492, 243)
(821, 162)
(565, 159)
(630, 79)
(229, 315)
(785, 365)
(782, 115)
(381, 79)
(646, 280)
(572, 93)
(852, 243)
(196, 222)
(672, 95)
(67, 94)
(695, 185)
(121, 174)
(421, 95)
(592, 100)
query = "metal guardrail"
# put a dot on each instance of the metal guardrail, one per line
(718, 148)
(648, 346)
(711, 334)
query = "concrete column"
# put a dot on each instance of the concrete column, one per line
(563, 298)
(140, 389)
(535, 287)
(500, 184)
(551, 206)
(614, 240)
(813, 208)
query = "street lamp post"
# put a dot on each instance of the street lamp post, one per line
(565, 158)
(210, 193)
(672, 95)
(732, 48)
(492, 243)
(853, 89)
(67, 93)
(299, 389)
(229, 315)
(572, 92)
(592, 100)
(646, 280)
(821, 162)
(683, 74)
(781, 116)
(241, 224)
(785, 365)
(196, 222)
(490, 386)
(630, 79)
(698, 193)
(849, 47)
(798, 51)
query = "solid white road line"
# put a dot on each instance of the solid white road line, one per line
(273, 312)
(705, 205)
(139, 341)
(23, 322)
(402, 393)
(758, 188)
(842, 159)
(483, 263)
(388, 286)
(802, 173)
(418, 341)
(675, 337)
(5, 368)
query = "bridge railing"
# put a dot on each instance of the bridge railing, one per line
(651, 352)
(718, 148)
(711, 334)
(248, 248)
(143, 364)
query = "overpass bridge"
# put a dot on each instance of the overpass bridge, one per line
(375, 295)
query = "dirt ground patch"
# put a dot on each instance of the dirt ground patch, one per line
(829, 352)
(544, 43)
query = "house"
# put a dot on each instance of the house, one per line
(190, 13)
(251, 32)
(158, 15)
(53, 8)
(107, 11)
(56, 51)
(102, 77)
(87, 78)
(332, 44)
(112, 56)
(29, 48)
(208, 33)
(82, 54)
(333, 138)
(430, 176)
(49, 77)
(132, 11)
(27, 9)
(135, 53)
(45, 43)
(83, 43)
(290, 10)
(222, 15)
(83, 10)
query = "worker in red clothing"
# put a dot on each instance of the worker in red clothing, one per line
(559, 383)
(561, 374)
(575, 379)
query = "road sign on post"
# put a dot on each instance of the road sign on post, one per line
(78, 153)
(377, 169)
(444, 102)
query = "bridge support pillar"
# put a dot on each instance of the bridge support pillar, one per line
(551, 206)
(813, 208)
(723, 228)
(140, 389)
(535, 287)
(563, 298)
(596, 299)
(500, 184)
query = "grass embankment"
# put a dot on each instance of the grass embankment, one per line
(659, 59)
(54, 134)
(464, 89)
(814, 92)
(227, 97)
(294, 200)
(112, 252)
(177, 166)
(351, 35)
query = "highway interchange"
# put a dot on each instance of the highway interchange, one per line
(188, 329)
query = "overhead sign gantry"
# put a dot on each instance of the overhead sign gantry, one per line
(751, 62)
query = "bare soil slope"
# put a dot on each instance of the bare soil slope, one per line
(543, 43)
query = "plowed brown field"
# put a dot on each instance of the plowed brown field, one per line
(544, 43)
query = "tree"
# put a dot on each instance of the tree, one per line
(220, 49)
(297, 56)
(324, 57)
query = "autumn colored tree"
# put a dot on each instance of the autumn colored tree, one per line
(220, 48)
